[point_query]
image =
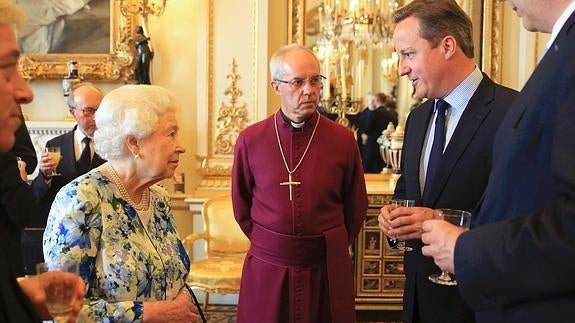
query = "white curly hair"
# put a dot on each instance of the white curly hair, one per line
(129, 110)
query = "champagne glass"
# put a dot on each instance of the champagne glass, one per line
(459, 218)
(60, 293)
(56, 156)
(399, 245)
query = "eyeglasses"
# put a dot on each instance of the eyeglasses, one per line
(88, 111)
(297, 83)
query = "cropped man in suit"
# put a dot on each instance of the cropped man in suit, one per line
(23, 300)
(77, 159)
(435, 47)
(517, 262)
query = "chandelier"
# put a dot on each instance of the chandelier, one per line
(348, 29)
(365, 23)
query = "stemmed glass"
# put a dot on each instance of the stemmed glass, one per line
(459, 218)
(399, 245)
(56, 156)
(60, 293)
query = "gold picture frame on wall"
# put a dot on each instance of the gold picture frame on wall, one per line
(116, 65)
(486, 18)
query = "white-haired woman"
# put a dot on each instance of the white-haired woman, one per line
(117, 224)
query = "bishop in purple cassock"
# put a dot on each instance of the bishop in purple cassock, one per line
(299, 195)
(298, 268)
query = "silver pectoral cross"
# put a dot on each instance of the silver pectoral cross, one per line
(290, 182)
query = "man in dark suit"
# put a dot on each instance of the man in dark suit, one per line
(517, 262)
(435, 46)
(371, 122)
(83, 103)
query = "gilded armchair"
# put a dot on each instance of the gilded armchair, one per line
(225, 245)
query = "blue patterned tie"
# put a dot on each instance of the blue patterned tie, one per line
(436, 148)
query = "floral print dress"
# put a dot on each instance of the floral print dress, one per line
(123, 261)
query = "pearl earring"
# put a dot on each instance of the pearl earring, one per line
(137, 156)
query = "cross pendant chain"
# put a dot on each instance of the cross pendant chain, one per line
(290, 183)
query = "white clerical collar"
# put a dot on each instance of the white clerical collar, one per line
(297, 125)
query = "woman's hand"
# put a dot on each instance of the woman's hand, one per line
(180, 309)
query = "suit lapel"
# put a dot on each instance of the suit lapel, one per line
(546, 67)
(475, 113)
(68, 162)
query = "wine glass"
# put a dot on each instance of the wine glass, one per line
(60, 293)
(56, 156)
(459, 218)
(399, 245)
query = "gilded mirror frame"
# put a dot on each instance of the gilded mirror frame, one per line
(489, 20)
(114, 66)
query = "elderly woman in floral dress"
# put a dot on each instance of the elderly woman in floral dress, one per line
(117, 224)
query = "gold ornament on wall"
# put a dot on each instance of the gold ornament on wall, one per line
(143, 7)
(232, 118)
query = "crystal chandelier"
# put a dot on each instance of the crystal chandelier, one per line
(348, 30)
(365, 23)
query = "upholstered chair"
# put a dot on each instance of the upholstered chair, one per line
(225, 245)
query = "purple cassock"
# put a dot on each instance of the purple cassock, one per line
(298, 268)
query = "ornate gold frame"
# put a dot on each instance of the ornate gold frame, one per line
(114, 66)
(491, 31)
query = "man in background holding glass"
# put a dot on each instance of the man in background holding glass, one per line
(446, 156)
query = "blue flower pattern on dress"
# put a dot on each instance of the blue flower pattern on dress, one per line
(122, 263)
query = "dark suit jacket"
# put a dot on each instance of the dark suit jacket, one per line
(522, 267)
(24, 148)
(67, 167)
(17, 210)
(459, 184)
(14, 305)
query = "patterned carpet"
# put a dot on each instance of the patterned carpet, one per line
(221, 313)
(227, 313)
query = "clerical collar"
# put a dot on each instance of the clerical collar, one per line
(296, 125)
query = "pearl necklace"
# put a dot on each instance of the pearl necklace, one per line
(144, 199)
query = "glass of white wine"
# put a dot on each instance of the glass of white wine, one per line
(56, 156)
(60, 293)
(459, 218)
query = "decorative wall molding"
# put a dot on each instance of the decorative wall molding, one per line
(492, 39)
(232, 117)
(222, 113)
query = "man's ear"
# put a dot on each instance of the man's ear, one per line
(275, 87)
(449, 45)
